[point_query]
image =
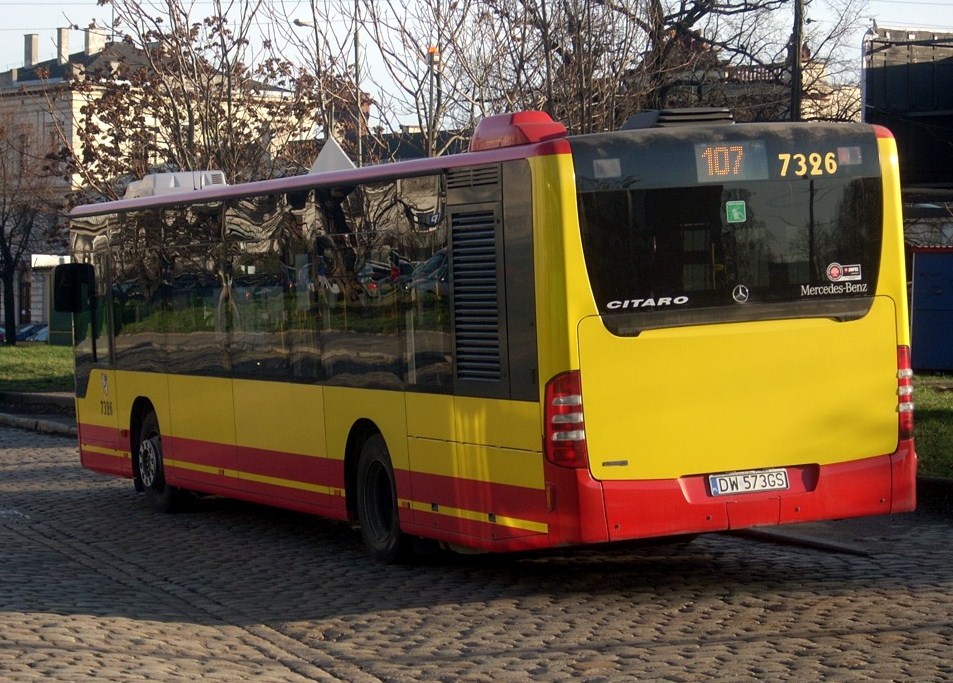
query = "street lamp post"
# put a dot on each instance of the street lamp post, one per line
(433, 114)
(797, 40)
(359, 113)
(326, 113)
(358, 100)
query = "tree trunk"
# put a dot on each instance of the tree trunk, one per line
(10, 306)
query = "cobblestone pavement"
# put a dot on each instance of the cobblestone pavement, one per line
(95, 586)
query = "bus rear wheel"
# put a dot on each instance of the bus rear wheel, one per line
(377, 504)
(151, 471)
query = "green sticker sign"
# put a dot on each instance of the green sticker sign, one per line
(736, 212)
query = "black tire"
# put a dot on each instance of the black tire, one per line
(377, 504)
(151, 471)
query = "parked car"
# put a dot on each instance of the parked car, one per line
(378, 277)
(432, 276)
(24, 332)
(41, 335)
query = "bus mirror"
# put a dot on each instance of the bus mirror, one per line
(72, 287)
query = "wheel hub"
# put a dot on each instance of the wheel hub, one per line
(148, 462)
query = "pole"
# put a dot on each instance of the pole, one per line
(548, 59)
(797, 40)
(433, 108)
(357, 85)
(326, 111)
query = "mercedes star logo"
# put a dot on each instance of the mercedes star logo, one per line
(740, 294)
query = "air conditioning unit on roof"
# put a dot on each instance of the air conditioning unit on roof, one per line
(169, 183)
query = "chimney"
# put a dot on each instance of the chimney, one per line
(95, 39)
(31, 49)
(62, 45)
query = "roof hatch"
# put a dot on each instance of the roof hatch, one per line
(667, 118)
(168, 183)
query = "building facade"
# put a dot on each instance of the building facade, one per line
(39, 111)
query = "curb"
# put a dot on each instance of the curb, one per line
(37, 424)
(19, 402)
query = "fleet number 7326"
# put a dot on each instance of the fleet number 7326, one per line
(813, 164)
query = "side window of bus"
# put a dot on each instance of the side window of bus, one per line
(102, 318)
(381, 281)
(301, 283)
(198, 338)
(165, 291)
(141, 306)
(427, 318)
(93, 343)
(360, 300)
(256, 284)
(90, 244)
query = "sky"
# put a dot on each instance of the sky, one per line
(43, 17)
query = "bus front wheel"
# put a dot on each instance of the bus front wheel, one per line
(377, 504)
(151, 472)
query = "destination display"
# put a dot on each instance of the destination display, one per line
(719, 162)
(727, 161)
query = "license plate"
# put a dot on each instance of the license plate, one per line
(732, 483)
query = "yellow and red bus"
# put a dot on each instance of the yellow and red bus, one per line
(548, 340)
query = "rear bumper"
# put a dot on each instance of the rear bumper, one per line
(872, 486)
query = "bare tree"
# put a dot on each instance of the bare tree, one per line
(28, 209)
(432, 81)
(592, 63)
(319, 36)
(832, 42)
(180, 92)
(567, 57)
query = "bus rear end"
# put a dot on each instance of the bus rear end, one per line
(746, 362)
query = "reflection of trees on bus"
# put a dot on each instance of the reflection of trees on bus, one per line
(348, 286)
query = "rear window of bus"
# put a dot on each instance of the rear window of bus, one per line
(729, 223)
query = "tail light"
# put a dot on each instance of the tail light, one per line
(565, 428)
(904, 392)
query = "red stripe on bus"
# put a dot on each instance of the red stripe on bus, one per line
(94, 440)
(311, 502)
(502, 500)
(105, 463)
(470, 532)
(308, 469)
(102, 436)
(205, 453)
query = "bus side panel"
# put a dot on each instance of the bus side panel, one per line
(487, 486)
(467, 509)
(199, 446)
(154, 387)
(563, 293)
(105, 445)
(508, 424)
(102, 447)
(431, 434)
(892, 280)
(344, 408)
(281, 445)
(499, 443)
